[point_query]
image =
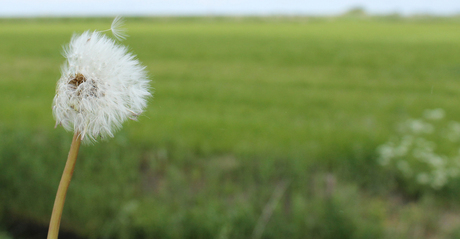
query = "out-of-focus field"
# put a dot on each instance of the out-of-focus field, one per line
(244, 110)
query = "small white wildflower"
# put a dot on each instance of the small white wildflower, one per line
(453, 131)
(414, 151)
(453, 172)
(384, 161)
(418, 126)
(407, 140)
(423, 178)
(439, 179)
(101, 86)
(386, 153)
(404, 146)
(422, 143)
(404, 167)
(421, 154)
(456, 159)
(436, 161)
(434, 114)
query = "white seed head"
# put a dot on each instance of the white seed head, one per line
(101, 86)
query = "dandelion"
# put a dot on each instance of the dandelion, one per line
(101, 86)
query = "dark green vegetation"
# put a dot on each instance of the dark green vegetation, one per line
(244, 110)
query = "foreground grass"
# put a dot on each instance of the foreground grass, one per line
(241, 108)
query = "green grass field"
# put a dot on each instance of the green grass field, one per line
(244, 110)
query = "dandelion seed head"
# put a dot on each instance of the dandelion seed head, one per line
(101, 86)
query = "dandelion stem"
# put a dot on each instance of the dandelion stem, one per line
(55, 221)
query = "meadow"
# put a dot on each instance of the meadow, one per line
(259, 128)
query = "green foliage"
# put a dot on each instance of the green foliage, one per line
(30, 178)
(4, 235)
(240, 107)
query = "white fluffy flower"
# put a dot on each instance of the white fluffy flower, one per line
(101, 86)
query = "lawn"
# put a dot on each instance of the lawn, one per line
(259, 128)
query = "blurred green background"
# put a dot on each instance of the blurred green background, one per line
(259, 128)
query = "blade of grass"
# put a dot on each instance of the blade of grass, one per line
(268, 210)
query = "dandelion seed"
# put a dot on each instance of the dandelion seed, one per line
(116, 28)
(117, 31)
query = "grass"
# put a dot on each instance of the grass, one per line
(241, 105)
